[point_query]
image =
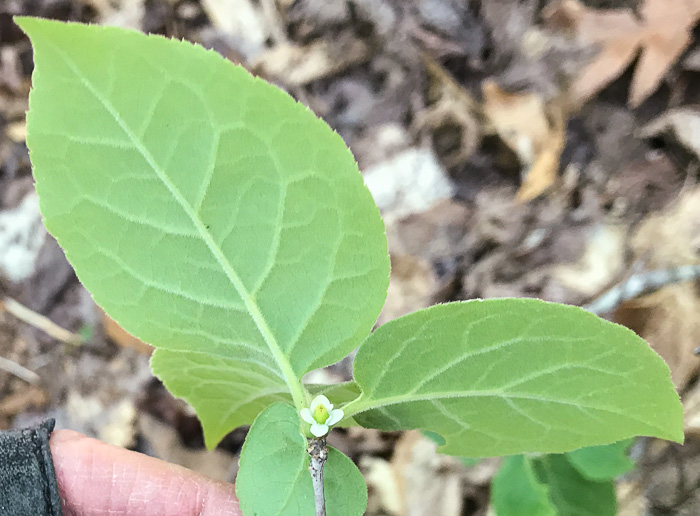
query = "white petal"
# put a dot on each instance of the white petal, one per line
(307, 416)
(335, 416)
(319, 430)
(319, 400)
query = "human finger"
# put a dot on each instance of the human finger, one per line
(95, 478)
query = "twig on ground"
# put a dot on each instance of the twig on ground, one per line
(640, 284)
(19, 371)
(319, 455)
(39, 321)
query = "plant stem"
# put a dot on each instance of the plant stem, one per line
(319, 454)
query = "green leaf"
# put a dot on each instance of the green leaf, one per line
(337, 393)
(602, 462)
(515, 490)
(439, 440)
(274, 474)
(206, 211)
(573, 494)
(509, 376)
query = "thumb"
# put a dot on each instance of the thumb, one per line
(97, 478)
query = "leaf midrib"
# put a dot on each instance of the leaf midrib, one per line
(290, 377)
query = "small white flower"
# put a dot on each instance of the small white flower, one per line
(321, 416)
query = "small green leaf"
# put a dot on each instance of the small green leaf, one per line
(605, 462)
(515, 490)
(508, 376)
(206, 211)
(573, 494)
(274, 474)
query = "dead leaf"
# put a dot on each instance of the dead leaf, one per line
(242, 21)
(167, 445)
(683, 122)
(127, 14)
(120, 337)
(22, 235)
(600, 264)
(17, 131)
(452, 105)
(112, 422)
(382, 485)
(17, 402)
(533, 129)
(630, 497)
(411, 182)
(425, 248)
(691, 412)
(428, 482)
(667, 319)
(301, 64)
(661, 34)
(412, 287)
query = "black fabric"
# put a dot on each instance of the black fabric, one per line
(27, 479)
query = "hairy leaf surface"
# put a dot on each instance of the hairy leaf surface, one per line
(508, 376)
(206, 211)
(274, 474)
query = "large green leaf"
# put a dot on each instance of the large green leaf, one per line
(274, 474)
(507, 376)
(571, 493)
(206, 211)
(604, 462)
(516, 491)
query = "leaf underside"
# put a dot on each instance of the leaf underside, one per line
(274, 474)
(206, 211)
(516, 491)
(570, 492)
(547, 486)
(508, 376)
(599, 463)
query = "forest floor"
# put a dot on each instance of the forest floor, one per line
(515, 147)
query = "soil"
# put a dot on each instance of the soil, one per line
(449, 89)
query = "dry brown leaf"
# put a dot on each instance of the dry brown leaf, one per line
(599, 265)
(17, 131)
(17, 402)
(298, 65)
(127, 14)
(120, 337)
(630, 497)
(242, 21)
(452, 104)
(533, 129)
(428, 482)
(384, 498)
(166, 444)
(412, 287)
(668, 318)
(683, 122)
(662, 34)
(691, 412)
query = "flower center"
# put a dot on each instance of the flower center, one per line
(321, 414)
